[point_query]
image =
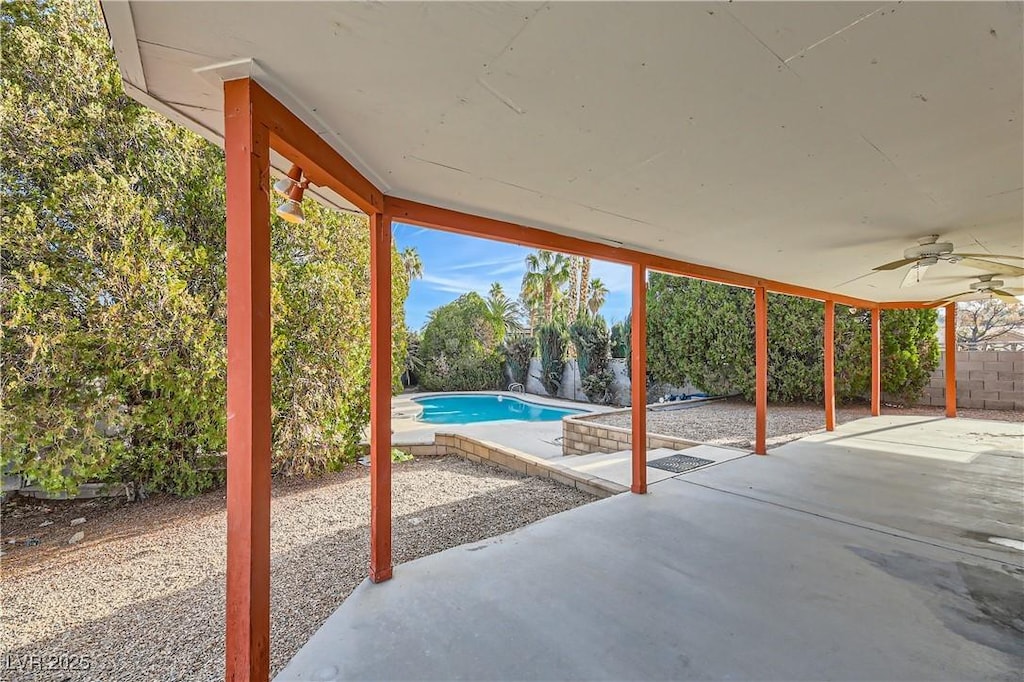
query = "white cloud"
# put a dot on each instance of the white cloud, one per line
(456, 283)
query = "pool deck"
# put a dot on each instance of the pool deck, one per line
(541, 439)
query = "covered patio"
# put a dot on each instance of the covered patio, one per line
(782, 148)
(859, 555)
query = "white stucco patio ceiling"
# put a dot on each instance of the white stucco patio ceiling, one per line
(803, 142)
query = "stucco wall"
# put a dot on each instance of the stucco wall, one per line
(992, 380)
(572, 385)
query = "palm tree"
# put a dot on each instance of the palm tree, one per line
(532, 302)
(584, 299)
(412, 263)
(572, 298)
(504, 313)
(546, 271)
(598, 294)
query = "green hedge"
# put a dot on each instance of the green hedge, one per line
(113, 282)
(704, 332)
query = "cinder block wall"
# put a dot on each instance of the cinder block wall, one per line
(582, 436)
(989, 379)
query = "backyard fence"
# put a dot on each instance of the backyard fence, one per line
(988, 379)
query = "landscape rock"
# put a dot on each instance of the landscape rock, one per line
(76, 538)
(154, 571)
(80, 519)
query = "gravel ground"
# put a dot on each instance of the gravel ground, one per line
(142, 596)
(730, 422)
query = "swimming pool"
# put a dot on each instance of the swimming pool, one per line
(468, 409)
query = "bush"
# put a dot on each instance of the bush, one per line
(592, 342)
(113, 276)
(321, 339)
(459, 348)
(553, 341)
(704, 332)
(518, 353)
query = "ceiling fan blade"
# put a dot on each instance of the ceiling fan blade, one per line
(954, 297)
(896, 264)
(986, 255)
(914, 275)
(1005, 296)
(992, 266)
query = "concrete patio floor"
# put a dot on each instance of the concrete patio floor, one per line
(861, 554)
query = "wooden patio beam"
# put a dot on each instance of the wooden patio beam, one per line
(761, 371)
(380, 397)
(830, 365)
(950, 369)
(247, 153)
(301, 145)
(876, 362)
(638, 385)
(424, 215)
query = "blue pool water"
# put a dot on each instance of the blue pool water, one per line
(467, 409)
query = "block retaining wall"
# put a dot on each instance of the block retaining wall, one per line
(582, 436)
(992, 380)
(476, 450)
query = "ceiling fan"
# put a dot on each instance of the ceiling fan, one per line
(986, 285)
(930, 251)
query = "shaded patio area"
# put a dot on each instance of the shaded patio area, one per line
(861, 554)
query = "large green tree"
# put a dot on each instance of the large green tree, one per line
(703, 332)
(113, 270)
(460, 350)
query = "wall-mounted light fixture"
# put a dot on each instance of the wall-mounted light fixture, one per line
(291, 210)
(284, 185)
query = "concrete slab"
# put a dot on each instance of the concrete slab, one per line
(684, 584)
(618, 466)
(954, 440)
(872, 470)
(794, 566)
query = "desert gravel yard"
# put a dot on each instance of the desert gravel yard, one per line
(141, 597)
(731, 422)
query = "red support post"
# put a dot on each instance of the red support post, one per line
(380, 397)
(950, 369)
(830, 365)
(639, 379)
(247, 154)
(876, 362)
(761, 370)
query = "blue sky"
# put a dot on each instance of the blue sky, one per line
(454, 264)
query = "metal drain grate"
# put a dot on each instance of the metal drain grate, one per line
(677, 464)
